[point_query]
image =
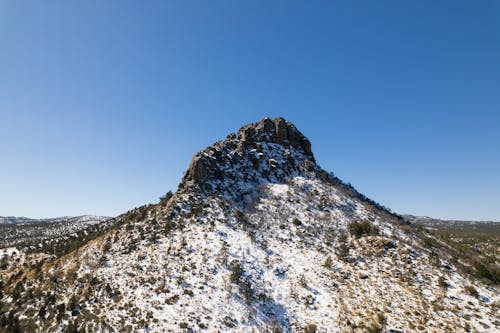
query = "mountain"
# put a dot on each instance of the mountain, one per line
(257, 238)
(82, 220)
(467, 224)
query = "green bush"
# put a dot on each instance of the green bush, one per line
(342, 249)
(363, 228)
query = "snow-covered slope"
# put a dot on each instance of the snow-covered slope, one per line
(258, 238)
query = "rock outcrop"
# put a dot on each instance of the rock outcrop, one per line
(268, 150)
(278, 130)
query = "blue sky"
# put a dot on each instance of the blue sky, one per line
(103, 103)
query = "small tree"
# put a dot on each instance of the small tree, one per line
(240, 216)
(224, 252)
(236, 271)
(328, 262)
(342, 249)
(164, 199)
(303, 281)
(442, 283)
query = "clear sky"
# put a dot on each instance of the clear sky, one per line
(103, 103)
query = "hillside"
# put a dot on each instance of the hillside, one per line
(257, 238)
(36, 233)
(475, 243)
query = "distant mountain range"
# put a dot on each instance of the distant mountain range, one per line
(457, 224)
(83, 219)
(15, 231)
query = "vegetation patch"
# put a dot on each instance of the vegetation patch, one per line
(363, 228)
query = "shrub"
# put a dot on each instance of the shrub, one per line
(377, 323)
(169, 226)
(61, 308)
(364, 228)
(164, 199)
(482, 271)
(240, 216)
(303, 281)
(328, 262)
(471, 291)
(297, 222)
(434, 259)
(442, 282)
(246, 289)
(236, 271)
(107, 246)
(42, 312)
(310, 328)
(172, 300)
(229, 321)
(224, 252)
(342, 249)
(196, 209)
(71, 328)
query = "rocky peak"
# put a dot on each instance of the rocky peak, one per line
(278, 130)
(270, 150)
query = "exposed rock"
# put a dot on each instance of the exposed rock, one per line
(268, 150)
(278, 130)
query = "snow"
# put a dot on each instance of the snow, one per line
(183, 280)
